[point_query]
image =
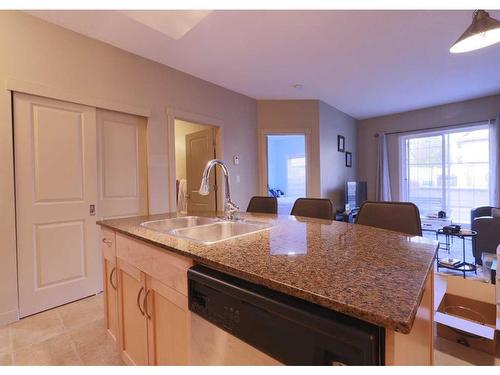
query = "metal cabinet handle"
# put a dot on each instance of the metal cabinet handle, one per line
(107, 242)
(113, 271)
(139, 299)
(145, 304)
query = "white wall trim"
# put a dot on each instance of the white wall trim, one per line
(8, 317)
(18, 85)
(179, 114)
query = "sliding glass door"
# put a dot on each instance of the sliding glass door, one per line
(447, 170)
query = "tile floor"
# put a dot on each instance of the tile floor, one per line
(74, 334)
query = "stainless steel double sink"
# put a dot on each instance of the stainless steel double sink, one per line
(205, 230)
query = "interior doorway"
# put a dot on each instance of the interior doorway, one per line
(195, 145)
(286, 169)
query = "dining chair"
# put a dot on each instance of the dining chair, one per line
(320, 208)
(401, 217)
(266, 205)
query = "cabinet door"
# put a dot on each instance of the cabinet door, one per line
(110, 282)
(111, 297)
(168, 325)
(133, 336)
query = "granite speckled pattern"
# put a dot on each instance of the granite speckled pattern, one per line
(373, 274)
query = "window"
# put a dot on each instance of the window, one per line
(447, 170)
(296, 170)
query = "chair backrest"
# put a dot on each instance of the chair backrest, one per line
(401, 217)
(488, 235)
(266, 205)
(479, 212)
(313, 207)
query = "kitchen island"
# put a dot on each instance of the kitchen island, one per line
(374, 275)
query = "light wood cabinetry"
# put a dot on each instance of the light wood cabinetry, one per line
(133, 342)
(417, 347)
(148, 311)
(110, 282)
(168, 325)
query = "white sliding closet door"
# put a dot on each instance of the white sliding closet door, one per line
(56, 186)
(122, 170)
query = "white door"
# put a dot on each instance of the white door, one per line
(200, 148)
(56, 185)
(122, 168)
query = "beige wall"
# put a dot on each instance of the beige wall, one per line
(327, 171)
(292, 115)
(57, 60)
(433, 117)
(183, 128)
(334, 173)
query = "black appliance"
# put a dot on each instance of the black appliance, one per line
(355, 193)
(291, 330)
(451, 229)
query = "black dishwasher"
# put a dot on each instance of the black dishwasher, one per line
(291, 330)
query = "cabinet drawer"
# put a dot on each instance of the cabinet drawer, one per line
(108, 244)
(168, 268)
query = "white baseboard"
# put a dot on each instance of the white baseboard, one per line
(8, 317)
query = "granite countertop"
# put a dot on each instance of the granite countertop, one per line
(373, 274)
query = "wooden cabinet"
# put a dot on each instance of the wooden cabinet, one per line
(133, 343)
(168, 325)
(110, 282)
(146, 301)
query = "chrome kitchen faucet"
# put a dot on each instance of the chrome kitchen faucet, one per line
(229, 208)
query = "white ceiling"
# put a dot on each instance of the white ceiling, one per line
(365, 63)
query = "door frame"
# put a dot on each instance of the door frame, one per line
(177, 114)
(263, 133)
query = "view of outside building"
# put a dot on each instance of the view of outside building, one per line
(448, 171)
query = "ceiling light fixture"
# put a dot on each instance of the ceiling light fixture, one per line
(483, 32)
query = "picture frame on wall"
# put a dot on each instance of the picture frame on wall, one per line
(340, 143)
(348, 159)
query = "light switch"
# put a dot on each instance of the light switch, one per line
(238, 178)
(236, 159)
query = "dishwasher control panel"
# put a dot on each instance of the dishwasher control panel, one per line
(213, 309)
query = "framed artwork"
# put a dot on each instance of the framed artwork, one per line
(340, 143)
(348, 159)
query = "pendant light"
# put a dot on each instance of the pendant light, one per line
(483, 32)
